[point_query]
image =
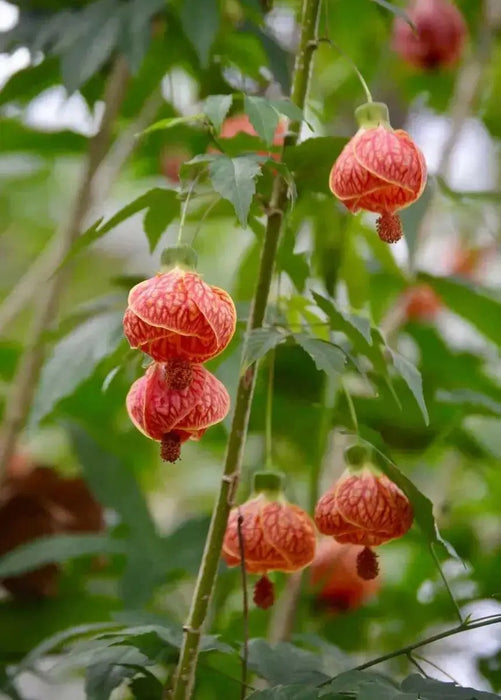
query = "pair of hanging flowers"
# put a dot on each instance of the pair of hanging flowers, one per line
(181, 322)
(362, 508)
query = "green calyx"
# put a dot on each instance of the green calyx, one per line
(359, 458)
(179, 256)
(373, 114)
(269, 482)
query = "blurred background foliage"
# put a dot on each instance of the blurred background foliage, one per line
(435, 296)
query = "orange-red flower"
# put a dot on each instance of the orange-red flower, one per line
(175, 314)
(364, 508)
(334, 579)
(171, 415)
(438, 38)
(277, 536)
(241, 124)
(421, 303)
(379, 170)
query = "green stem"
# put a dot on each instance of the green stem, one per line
(446, 584)
(465, 627)
(328, 400)
(351, 408)
(245, 602)
(184, 210)
(184, 678)
(268, 431)
(353, 65)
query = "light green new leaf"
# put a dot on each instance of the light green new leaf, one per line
(263, 117)
(284, 663)
(412, 377)
(354, 326)
(259, 342)
(234, 179)
(327, 357)
(216, 108)
(170, 122)
(73, 359)
(56, 549)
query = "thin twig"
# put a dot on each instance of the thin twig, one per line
(466, 627)
(204, 217)
(30, 364)
(268, 432)
(417, 665)
(446, 584)
(245, 600)
(436, 667)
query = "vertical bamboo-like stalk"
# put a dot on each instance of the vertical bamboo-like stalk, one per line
(184, 678)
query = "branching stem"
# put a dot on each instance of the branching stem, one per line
(184, 678)
(30, 363)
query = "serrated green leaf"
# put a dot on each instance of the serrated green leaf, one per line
(55, 549)
(284, 663)
(101, 679)
(327, 357)
(352, 681)
(354, 326)
(234, 179)
(201, 22)
(288, 108)
(73, 359)
(431, 689)
(288, 692)
(56, 640)
(412, 377)
(422, 506)
(146, 688)
(99, 229)
(98, 34)
(216, 108)
(259, 342)
(263, 117)
(472, 303)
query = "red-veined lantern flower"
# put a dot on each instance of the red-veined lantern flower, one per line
(276, 535)
(439, 36)
(241, 124)
(421, 303)
(364, 507)
(379, 170)
(171, 415)
(334, 579)
(175, 314)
